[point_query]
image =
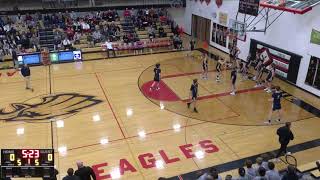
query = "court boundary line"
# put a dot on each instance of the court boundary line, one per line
(109, 104)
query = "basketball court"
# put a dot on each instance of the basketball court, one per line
(103, 114)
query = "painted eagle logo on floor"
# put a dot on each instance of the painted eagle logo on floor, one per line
(48, 107)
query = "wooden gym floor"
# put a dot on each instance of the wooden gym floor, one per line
(147, 137)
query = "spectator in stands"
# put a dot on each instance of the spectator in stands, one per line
(212, 174)
(77, 37)
(177, 42)
(34, 42)
(70, 33)
(57, 42)
(272, 174)
(161, 32)
(1, 54)
(251, 172)
(96, 36)
(290, 174)
(125, 38)
(242, 174)
(264, 163)
(84, 172)
(90, 40)
(258, 164)
(126, 13)
(66, 43)
(70, 175)
(109, 48)
(261, 174)
(228, 177)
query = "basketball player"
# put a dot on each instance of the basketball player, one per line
(192, 43)
(276, 104)
(270, 76)
(25, 72)
(156, 79)
(233, 81)
(246, 67)
(260, 69)
(194, 95)
(204, 66)
(218, 68)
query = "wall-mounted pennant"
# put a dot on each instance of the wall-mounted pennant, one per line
(219, 3)
(208, 2)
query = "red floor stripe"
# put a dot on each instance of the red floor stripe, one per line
(184, 74)
(226, 94)
(113, 113)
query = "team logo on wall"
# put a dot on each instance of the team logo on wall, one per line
(219, 3)
(48, 107)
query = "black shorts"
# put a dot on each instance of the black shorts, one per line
(269, 78)
(234, 80)
(156, 79)
(204, 67)
(276, 107)
(218, 67)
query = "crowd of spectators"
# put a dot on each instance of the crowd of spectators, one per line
(20, 33)
(261, 170)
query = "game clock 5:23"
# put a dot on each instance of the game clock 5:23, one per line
(27, 157)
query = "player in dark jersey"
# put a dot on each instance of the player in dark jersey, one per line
(205, 67)
(276, 104)
(219, 69)
(193, 95)
(156, 79)
(270, 76)
(192, 43)
(260, 69)
(245, 67)
(233, 81)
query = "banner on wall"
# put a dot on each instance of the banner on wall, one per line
(315, 37)
(250, 7)
(223, 18)
(287, 63)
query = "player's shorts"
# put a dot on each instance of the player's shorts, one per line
(276, 107)
(269, 78)
(234, 80)
(157, 79)
(194, 97)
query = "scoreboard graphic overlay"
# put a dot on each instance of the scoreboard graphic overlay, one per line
(27, 163)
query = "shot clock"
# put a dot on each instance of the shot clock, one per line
(27, 162)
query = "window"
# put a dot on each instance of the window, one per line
(313, 75)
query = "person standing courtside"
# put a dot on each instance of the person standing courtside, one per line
(285, 136)
(70, 175)
(25, 71)
(84, 172)
(194, 95)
